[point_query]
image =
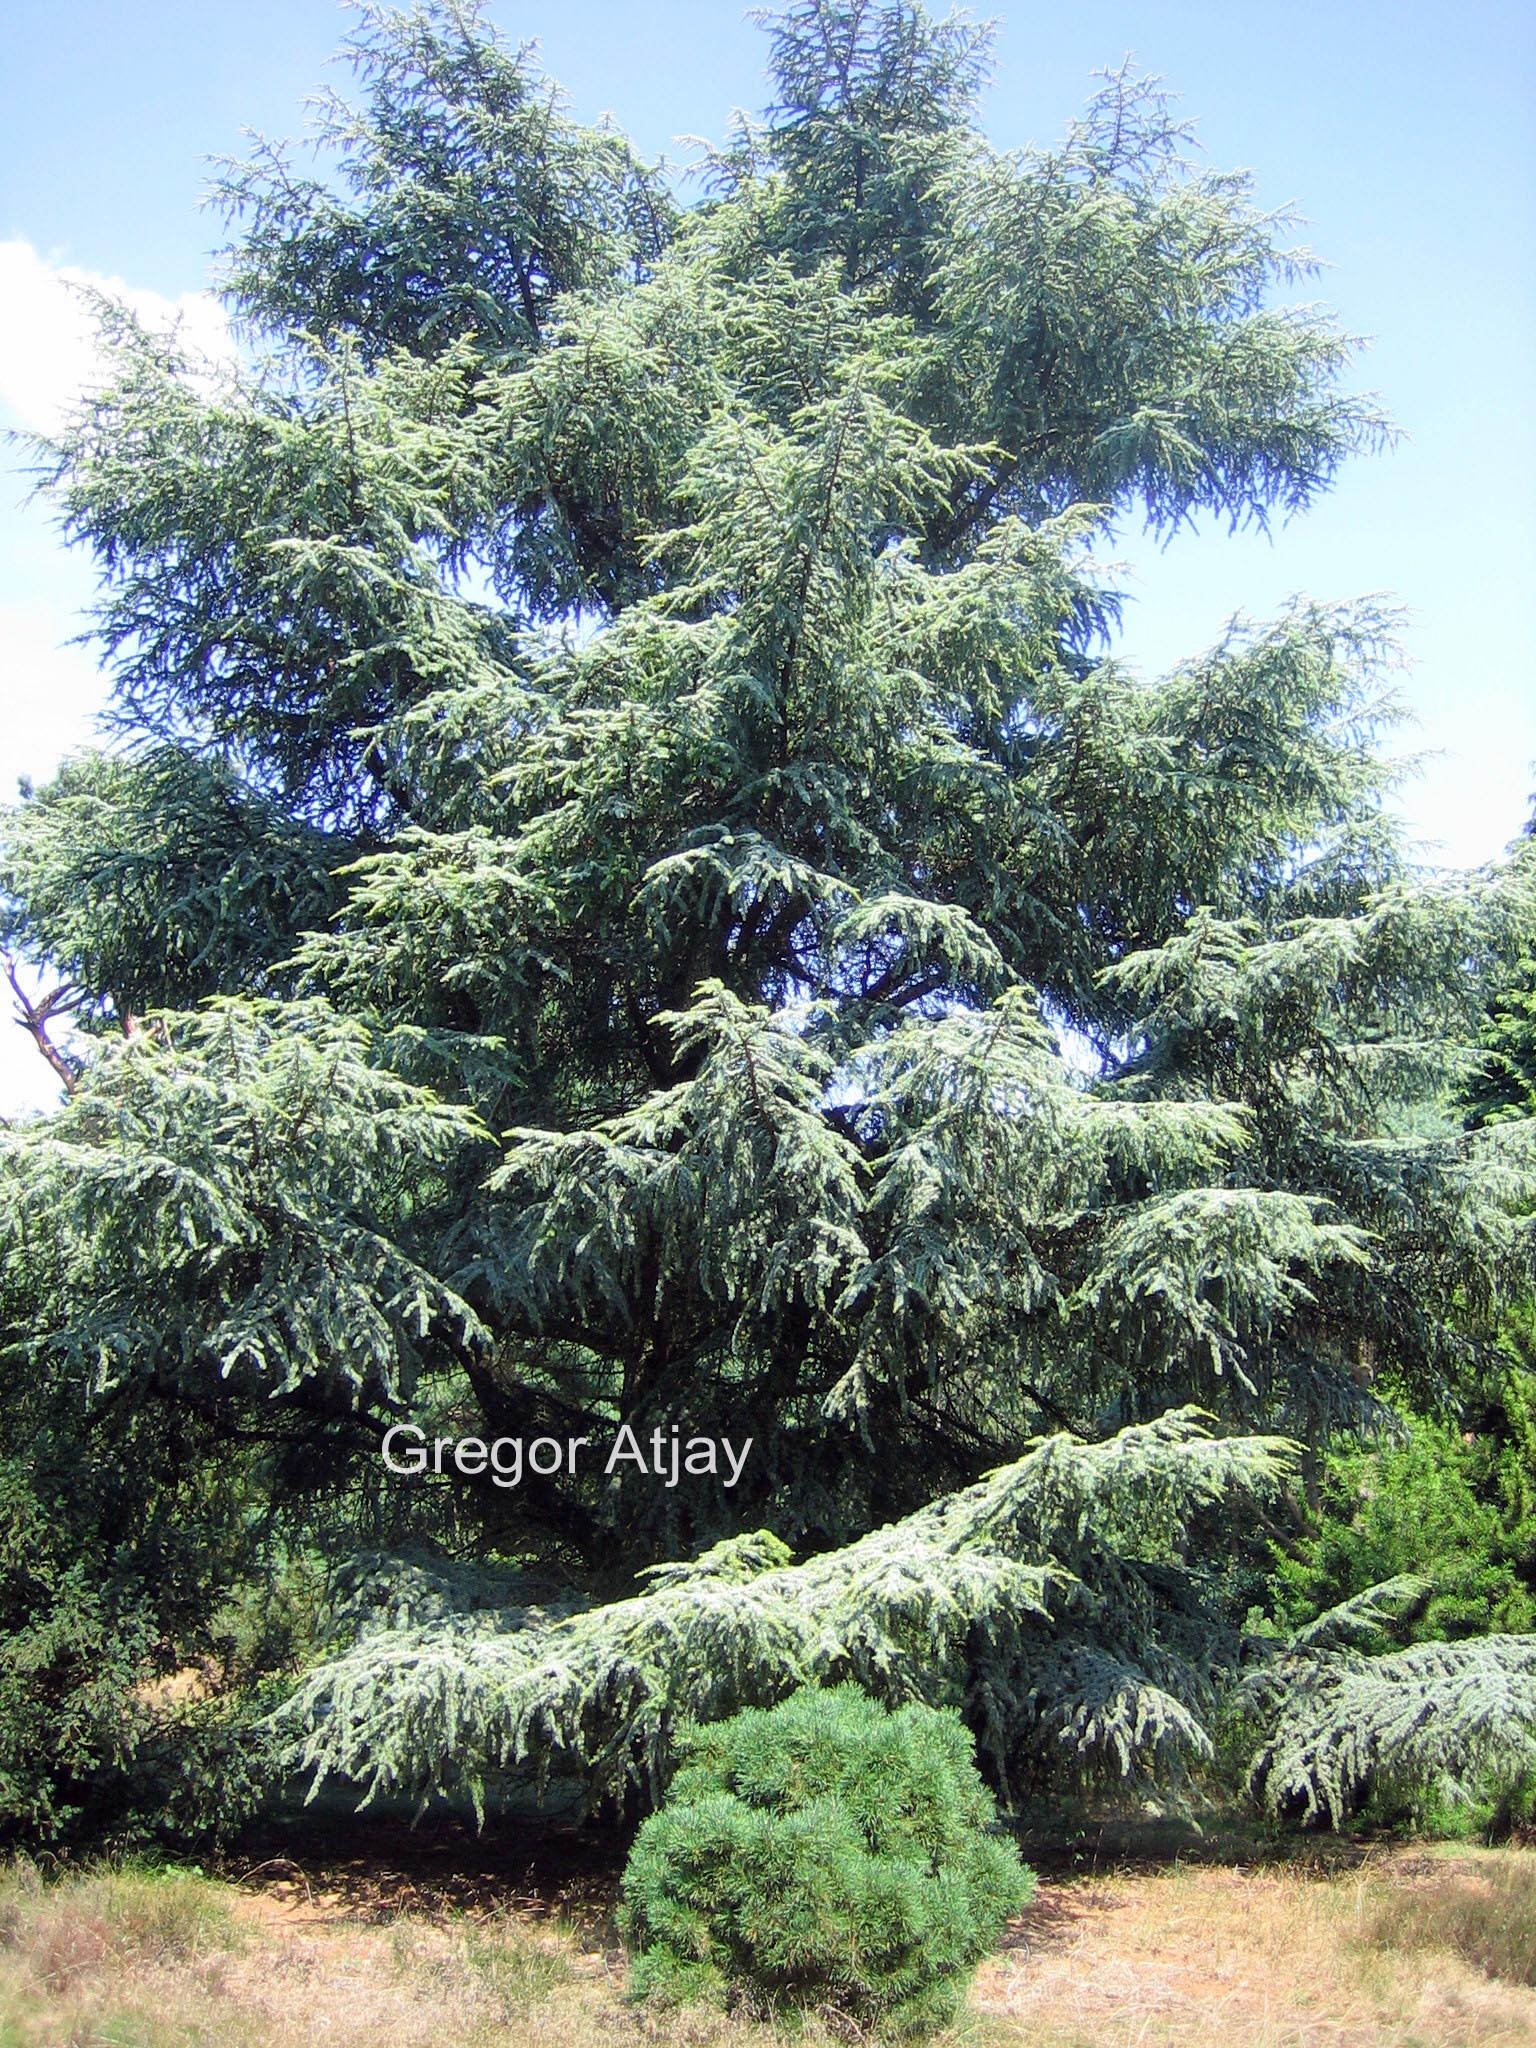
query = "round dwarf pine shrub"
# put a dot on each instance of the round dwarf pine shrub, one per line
(825, 1854)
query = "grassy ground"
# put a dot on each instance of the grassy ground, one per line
(1399, 1947)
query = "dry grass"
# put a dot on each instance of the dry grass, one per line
(141, 1961)
(1256, 1958)
(1409, 1951)
(1483, 1911)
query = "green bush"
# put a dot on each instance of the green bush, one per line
(825, 1854)
(1450, 1506)
(112, 1573)
(92, 1746)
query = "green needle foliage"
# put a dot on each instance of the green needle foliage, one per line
(824, 1855)
(157, 880)
(631, 884)
(1447, 1721)
(1053, 1603)
(234, 1209)
(1503, 1089)
(1449, 1507)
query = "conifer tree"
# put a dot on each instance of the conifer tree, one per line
(634, 884)
(1503, 1088)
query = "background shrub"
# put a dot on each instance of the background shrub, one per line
(130, 1682)
(825, 1853)
(1452, 1505)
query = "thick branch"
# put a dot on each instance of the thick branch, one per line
(35, 1017)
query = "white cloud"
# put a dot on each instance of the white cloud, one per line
(48, 346)
(51, 692)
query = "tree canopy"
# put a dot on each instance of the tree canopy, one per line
(633, 882)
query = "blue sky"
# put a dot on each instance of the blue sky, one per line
(1405, 133)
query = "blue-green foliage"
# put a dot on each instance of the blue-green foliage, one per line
(625, 833)
(825, 1854)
